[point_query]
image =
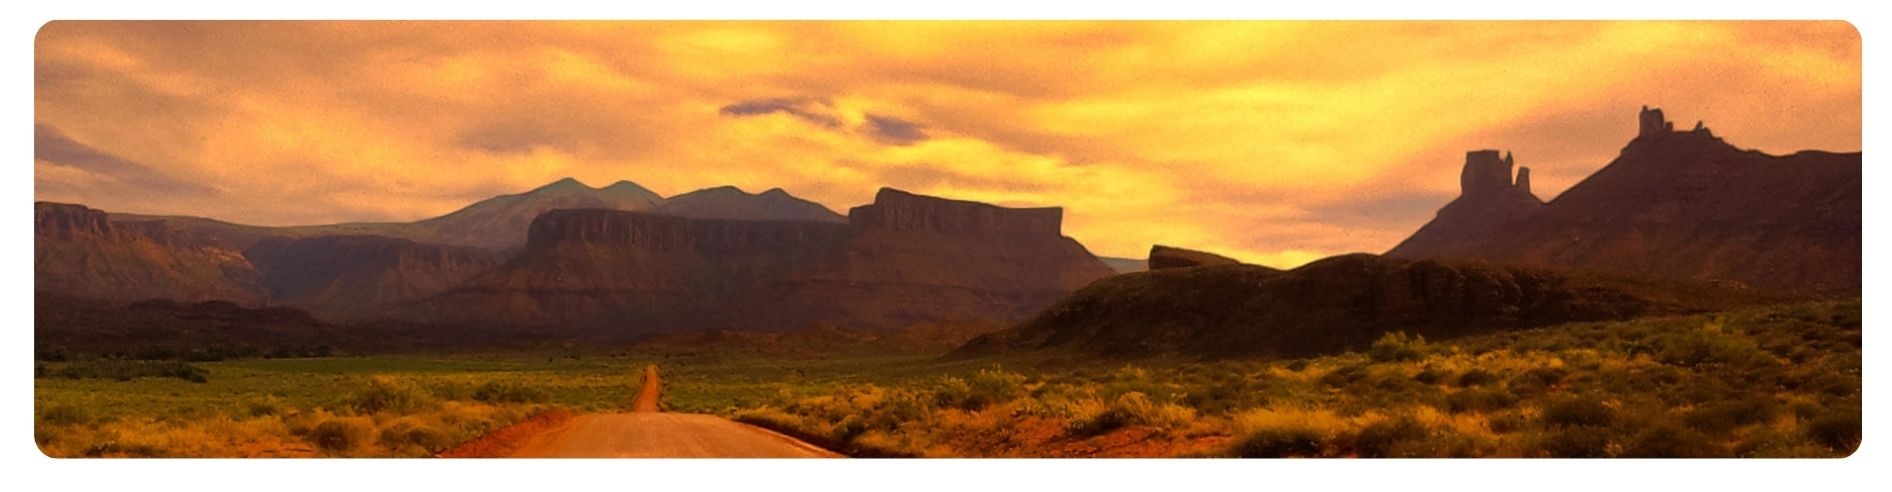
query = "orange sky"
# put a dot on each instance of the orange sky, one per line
(1274, 142)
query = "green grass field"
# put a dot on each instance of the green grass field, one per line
(1778, 381)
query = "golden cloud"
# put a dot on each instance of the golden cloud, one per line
(1275, 142)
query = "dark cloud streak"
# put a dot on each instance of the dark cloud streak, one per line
(810, 109)
(51, 146)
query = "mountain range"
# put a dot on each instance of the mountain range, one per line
(1680, 221)
(617, 259)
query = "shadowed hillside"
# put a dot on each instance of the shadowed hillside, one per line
(1327, 306)
(1674, 204)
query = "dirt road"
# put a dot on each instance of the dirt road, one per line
(646, 432)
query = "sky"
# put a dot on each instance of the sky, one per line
(1273, 142)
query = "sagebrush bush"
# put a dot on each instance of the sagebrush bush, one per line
(66, 415)
(342, 434)
(387, 394)
(1575, 442)
(1578, 411)
(1479, 400)
(1400, 436)
(1668, 440)
(1397, 346)
(1839, 431)
(1127, 410)
(1476, 377)
(509, 392)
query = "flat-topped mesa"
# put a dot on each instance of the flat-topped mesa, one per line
(1166, 257)
(898, 210)
(1651, 124)
(68, 221)
(654, 232)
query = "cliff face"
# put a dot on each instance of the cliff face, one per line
(353, 275)
(895, 210)
(630, 271)
(1683, 205)
(1324, 307)
(82, 252)
(914, 260)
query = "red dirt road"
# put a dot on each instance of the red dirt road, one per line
(646, 432)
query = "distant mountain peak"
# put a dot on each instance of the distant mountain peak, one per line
(565, 184)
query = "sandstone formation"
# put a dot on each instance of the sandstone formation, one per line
(1328, 306)
(1165, 257)
(902, 261)
(79, 251)
(354, 275)
(911, 259)
(1489, 202)
(1673, 205)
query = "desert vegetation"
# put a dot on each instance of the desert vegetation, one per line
(1779, 381)
(1771, 382)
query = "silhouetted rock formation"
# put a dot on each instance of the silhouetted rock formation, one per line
(355, 275)
(913, 259)
(1489, 202)
(902, 261)
(729, 202)
(1677, 205)
(1165, 257)
(1328, 306)
(79, 251)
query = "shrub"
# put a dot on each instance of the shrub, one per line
(1479, 400)
(386, 394)
(409, 434)
(66, 415)
(341, 434)
(1578, 412)
(1476, 377)
(1726, 415)
(1576, 442)
(1289, 433)
(1344, 376)
(1668, 440)
(1538, 380)
(992, 387)
(1839, 431)
(1131, 409)
(509, 392)
(1280, 442)
(1431, 375)
(1397, 346)
(1711, 344)
(1398, 437)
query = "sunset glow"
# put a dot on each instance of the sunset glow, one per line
(1272, 142)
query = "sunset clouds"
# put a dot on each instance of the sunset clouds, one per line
(1271, 142)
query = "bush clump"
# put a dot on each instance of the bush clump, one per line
(1130, 409)
(510, 392)
(341, 434)
(1397, 346)
(386, 394)
(1578, 412)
